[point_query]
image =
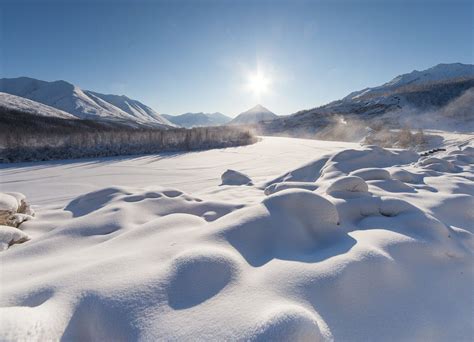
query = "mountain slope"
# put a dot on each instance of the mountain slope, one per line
(13, 102)
(401, 100)
(437, 74)
(83, 104)
(135, 108)
(189, 120)
(254, 115)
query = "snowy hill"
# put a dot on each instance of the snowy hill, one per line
(434, 93)
(138, 110)
(189, 120)
(83, 104)
(12, 102)
(254, 115)
(438, 73)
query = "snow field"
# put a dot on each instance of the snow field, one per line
(354, 245)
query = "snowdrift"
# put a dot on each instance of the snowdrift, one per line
(352, 246)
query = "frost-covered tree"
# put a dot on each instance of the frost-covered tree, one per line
(26, 137)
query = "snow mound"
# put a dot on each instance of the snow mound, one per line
(347, 184)
(370, 157)
(10, 236)
(232, 177)
(98, 318)
(196, 277)
(286, 225)
(371, 174)
(289, 323)
(303, 204)
(441, 165)
(275, 187)
(407, 176)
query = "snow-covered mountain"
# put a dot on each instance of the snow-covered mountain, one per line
(13, 102)
(436, 74)
(254, 115)
(83, 104)
(189, 120)
(138, 110)
(397, 102)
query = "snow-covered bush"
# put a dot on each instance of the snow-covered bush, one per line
(401, 138)
(14, 209)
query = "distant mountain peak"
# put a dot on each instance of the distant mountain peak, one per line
(259, 108)
(254, 115)
(200, 119)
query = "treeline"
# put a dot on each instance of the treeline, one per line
(26, 137)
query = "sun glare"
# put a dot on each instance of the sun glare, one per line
(258, 83)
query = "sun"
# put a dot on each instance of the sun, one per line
(258, 83)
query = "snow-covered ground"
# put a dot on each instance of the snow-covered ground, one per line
(327, 241)
(58, 182)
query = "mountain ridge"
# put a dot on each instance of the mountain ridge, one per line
(83, 104)
(200, 119)
(399, 100)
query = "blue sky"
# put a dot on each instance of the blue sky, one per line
(192, 56)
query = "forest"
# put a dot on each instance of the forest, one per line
(27, 137)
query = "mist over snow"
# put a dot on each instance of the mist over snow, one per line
(438, 98)
(457, 115)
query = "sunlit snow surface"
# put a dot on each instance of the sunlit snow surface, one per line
(329, 241)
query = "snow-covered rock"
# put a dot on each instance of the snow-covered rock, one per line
(233, 177)
(348, 183)
(10, 236)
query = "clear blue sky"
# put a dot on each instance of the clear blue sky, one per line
(191, 56)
